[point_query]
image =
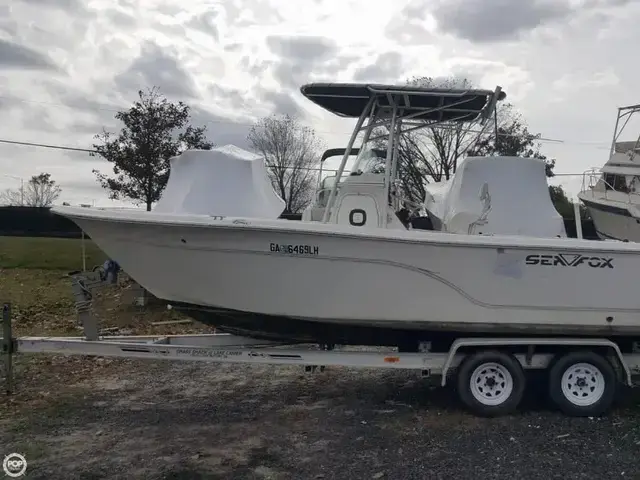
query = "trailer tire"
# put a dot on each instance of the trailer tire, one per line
(491, 383)
(582, 384)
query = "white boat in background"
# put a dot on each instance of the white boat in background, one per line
(367, 273)
(612, 195)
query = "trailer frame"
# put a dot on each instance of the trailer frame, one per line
(229, 348)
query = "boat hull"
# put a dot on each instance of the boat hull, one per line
(613, 222)
(439, 335)
(407, 281)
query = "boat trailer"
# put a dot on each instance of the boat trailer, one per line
(489, 373)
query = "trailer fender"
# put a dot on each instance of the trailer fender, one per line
(504, 342)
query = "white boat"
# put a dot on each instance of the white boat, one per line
(364, 274)
(612, 196)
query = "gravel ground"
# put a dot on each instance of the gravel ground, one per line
(161, 420)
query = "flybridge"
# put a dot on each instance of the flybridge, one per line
(624, 115)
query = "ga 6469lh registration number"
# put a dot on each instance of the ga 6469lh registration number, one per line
(300, 249)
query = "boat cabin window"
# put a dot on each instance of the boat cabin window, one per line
(369, 160)
(615, 182)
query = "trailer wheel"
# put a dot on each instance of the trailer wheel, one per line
(582, 384)
(491, 383)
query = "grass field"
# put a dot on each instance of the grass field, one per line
(48, 253)
(34, 279)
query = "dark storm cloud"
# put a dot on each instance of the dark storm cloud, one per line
(13, 55)
(486, 21)
(156, 66)
(494, 20)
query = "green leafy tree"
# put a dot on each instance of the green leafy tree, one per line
(155, 130)
(564, 205)
(291, 152)
(511, 138)
(39, 191)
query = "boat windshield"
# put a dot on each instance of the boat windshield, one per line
(325, 190)
(369, 160)
(328, 182)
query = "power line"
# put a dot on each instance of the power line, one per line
(598, 145)
(76, 149)
(43, 145)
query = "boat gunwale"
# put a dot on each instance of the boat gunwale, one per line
(419, 237)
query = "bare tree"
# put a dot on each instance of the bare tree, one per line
(443, 146)
(432, 154)
(39, 191)
(291, 152)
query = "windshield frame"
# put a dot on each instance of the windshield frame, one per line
(370, 160)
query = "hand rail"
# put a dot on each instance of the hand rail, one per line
(596, 177)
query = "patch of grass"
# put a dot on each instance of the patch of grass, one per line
(34, 278)
(42, 303)
(48, 253)
(41, 300)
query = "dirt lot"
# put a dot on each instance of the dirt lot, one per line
(91, 418)
(151, 420)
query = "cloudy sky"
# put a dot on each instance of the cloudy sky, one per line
(66, 67)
